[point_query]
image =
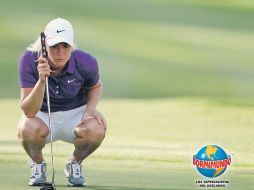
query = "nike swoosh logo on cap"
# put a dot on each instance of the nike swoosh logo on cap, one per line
(58, 31)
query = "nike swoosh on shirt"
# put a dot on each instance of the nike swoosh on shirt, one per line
(70, 81)
(58, 31)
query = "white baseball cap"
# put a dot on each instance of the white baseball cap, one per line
(59, 30)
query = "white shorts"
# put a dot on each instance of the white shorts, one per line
(63, 123)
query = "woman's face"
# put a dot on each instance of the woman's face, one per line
(59, 54)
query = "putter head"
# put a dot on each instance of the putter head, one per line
(48, 186)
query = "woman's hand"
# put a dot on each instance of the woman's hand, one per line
(43, 69)
(95, 114)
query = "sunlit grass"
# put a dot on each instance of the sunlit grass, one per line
(146, 138)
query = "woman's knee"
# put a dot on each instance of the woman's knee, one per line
(90, 128)
(30, 128)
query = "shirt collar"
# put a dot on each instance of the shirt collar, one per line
(71, 65)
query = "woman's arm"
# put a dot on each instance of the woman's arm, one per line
(93, 96)
(31, 98)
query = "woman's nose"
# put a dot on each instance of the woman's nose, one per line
(60, 50)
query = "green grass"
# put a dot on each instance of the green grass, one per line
(145, 48)
(149, 145)
(177, 75)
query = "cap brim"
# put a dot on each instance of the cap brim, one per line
(57, 40)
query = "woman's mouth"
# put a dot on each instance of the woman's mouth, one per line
(59, 60)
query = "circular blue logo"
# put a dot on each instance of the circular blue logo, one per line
(211, 161)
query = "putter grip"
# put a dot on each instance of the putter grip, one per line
(43, 45)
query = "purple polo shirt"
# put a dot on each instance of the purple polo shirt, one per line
(68, 90)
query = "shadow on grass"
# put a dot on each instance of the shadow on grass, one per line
(118, 188)
(95, 187)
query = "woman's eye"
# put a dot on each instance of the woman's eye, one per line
(65, 45)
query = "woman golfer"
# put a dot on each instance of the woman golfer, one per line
(74, 90)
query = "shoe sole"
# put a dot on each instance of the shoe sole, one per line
(75, 185)
(37, 184)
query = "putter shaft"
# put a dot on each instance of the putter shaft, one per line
(45, 55)
(50, 131)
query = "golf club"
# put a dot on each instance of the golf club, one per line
(48, 186)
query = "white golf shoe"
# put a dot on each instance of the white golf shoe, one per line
(73, 171)
(38, 174)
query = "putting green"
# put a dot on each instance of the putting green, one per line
(149, 145)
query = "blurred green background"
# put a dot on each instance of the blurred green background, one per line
(145, 48)
(177, 75)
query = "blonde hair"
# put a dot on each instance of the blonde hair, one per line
(36, 46)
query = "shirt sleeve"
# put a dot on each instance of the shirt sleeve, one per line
(28, 74)
(92, 73)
